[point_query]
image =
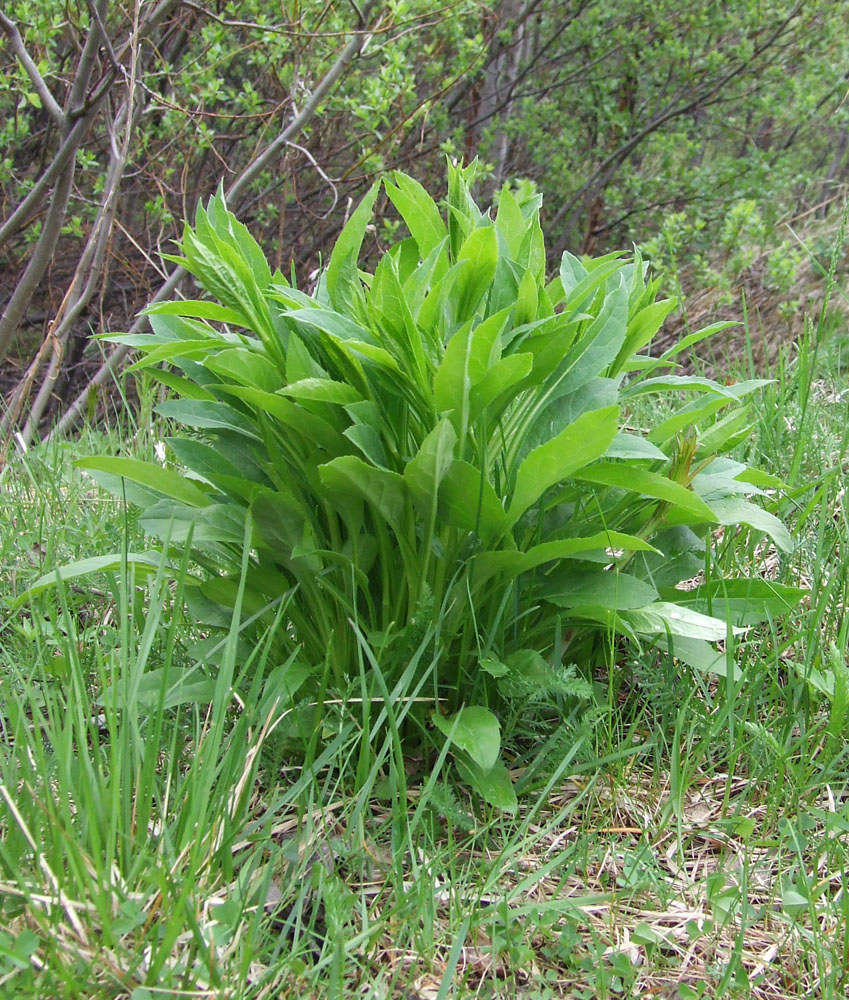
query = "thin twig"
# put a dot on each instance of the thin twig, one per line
(116, 359)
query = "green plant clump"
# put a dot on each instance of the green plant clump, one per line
(439, 455)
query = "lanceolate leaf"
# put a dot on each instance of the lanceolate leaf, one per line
(343, 283)
(514, 563)
(700, 655)
(304, 424)
(631, 446)
(144, 562)
(734, 511)
(207, 416)
(748, 601)
(246, 367)
(323, 390)
(468, 501)
(500, 380)
(479, 253)
(418, 210)
(651, 484)
(426, 470)
(587, 439)
(571, 589)
(384, 491)
(663, 616)
(200, 309)
(164, 481)
(642, 327)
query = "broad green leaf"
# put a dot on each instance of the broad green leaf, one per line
(424, 473)
(307, 426)
(280, 521)
(384, 491)
(468, 501)
(628, 477)
(641, 329)
(204, 415)
(514, 563)
(247, 367)
(452, 383)
(718, 480)
(572, 272)
(619, 591)
(202, 459)
(343, 282)
(182, 386)
(164, 481)
(224, 591)
(426, 278)
(327, 321)
(418, 210)
(550, 344)
(169, 328)
(749, 601)
(174, 521)
(690, 415)
(510, 222)
(485, 344)
(181, 687)
(700, 655)
(495, 668)
(532, 251)
(468, 358)
(142, 562)
(731, 430)
(494, 786)
(663, 616)
(323, 390)
(159, 353)
(300, 364)
(405, 255)
(503, 376)
(195, 308)
(562, 411)
(581, 292)
(734, 511)
(480, 254)
(475, 730)
(368, 440)
(632, 447)
(359, 350)
(678, 383)
(527, 299)
(763, 480)
(598, 345)
(577, 445)
(391, 314)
